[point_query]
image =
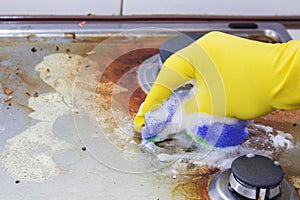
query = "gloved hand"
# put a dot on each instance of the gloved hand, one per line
(235, 77)
(163, 122)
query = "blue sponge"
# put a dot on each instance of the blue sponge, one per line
(217, 133)
(223, 135)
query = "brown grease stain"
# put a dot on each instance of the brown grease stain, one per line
(128, 64)
(194, 184)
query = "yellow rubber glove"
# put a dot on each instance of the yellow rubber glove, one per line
(236, 77)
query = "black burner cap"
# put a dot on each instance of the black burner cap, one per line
(176, 43)
(257, 171)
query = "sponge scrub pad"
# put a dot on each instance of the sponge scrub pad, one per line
(221, 134)
(170, 118)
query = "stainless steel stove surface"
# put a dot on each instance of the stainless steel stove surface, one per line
(68, 94)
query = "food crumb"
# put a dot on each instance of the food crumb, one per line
(8, 99)
(33, 49)
(8, 92)
(35, 94)
(27, 93)
(82, 23)
(83, 148)
(90, 53)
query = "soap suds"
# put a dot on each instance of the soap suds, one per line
(263, 140)
(282, 140)
(222, 158)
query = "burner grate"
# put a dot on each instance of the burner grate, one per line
(255, 183)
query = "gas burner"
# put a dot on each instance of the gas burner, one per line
(252, 177)
(149, 69)
(176, 43)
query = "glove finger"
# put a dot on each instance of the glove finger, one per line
(139, 122)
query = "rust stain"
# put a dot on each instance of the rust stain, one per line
(118, 94)
(194, 184)
(127, 64)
